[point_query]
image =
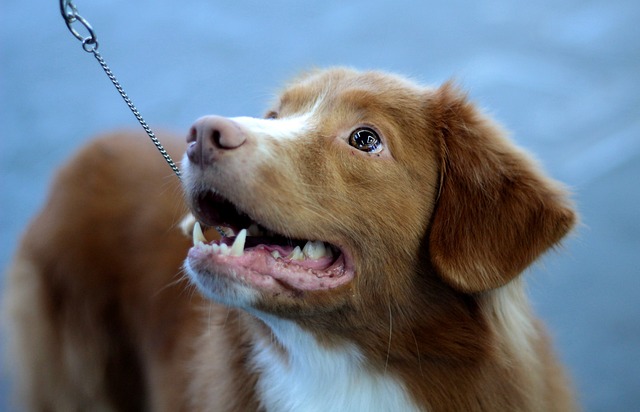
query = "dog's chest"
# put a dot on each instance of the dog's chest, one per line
(314, 378)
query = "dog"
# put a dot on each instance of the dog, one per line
(372, 236)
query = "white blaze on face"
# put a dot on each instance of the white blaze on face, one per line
(265, 133)
(284, 129)
(288, 128)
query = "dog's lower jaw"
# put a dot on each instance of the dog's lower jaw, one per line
(221, 289)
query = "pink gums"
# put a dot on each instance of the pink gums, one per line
(257, 263)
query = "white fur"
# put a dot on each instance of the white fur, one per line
(511, 310)
(288, 128)
(282, 129)
(314, 378)
(265, 132)
(221, 289)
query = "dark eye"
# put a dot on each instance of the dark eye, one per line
(366, 139)
(271, 115)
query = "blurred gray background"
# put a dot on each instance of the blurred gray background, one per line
(563, 76)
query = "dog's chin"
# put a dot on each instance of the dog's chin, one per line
(222, 289)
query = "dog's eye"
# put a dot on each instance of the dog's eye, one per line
(366, 139)
(271, 115)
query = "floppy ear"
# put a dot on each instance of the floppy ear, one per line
(495, 212)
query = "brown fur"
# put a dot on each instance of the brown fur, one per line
(101, 319)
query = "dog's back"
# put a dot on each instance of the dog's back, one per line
(97, 309)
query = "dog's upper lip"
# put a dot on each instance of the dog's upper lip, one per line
(214, 210)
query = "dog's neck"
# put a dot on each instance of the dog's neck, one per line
(297, 373)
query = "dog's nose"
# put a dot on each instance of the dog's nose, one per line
(210, 136)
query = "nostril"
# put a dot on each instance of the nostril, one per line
(215, 138)
(210, 136)
(225, 134)
(193, 152)
(192, 136)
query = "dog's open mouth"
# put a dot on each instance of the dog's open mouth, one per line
(249, 252)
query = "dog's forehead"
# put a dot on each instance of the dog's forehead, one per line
(332, 87)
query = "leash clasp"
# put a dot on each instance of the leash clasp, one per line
(70, 14)
(90, 45)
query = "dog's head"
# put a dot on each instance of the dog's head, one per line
(361, 189)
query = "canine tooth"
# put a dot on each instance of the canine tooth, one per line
(198, 236)
(186, 225)
(314, 250)
(296, 254)
(237, 249)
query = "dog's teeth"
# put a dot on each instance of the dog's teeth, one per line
(224, 250)
(276, 254)
(315, 250)
(254, 230)
(186, 225)
(198, 236)
(296, 254)
(237, 249)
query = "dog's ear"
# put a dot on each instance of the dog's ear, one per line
(495, 212)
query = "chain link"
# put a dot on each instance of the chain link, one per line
(90, 45)
(136, 113)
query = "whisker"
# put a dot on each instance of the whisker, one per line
(209, 323)
(417, 352)
(181, 276)
(322, 216)
(390, 334)
(226, 318)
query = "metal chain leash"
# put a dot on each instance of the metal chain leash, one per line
(90, 45)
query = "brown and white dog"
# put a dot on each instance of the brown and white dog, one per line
(376, 231)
